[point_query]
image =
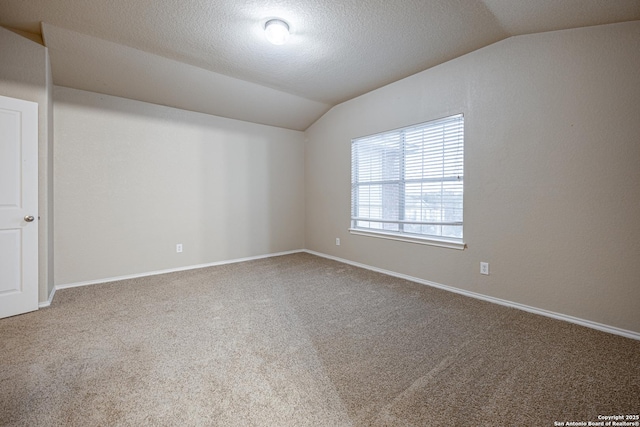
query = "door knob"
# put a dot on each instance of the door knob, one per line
(29, 218)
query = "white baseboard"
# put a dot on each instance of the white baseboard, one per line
(155, 273)
(540, 311)
(47, 303)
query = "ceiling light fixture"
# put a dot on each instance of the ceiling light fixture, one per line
(277, 31)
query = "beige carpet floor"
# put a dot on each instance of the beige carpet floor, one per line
(299, 340)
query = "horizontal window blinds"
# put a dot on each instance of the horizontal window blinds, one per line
(410, 180)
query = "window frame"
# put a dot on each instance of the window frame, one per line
(401, 234)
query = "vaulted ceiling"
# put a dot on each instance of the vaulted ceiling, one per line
(211, 56)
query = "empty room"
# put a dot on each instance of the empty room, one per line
(320, 213)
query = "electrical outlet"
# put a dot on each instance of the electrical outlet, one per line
(484, 268)
(179, 247)
(337, 241)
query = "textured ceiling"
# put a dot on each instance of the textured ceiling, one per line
(163, 51)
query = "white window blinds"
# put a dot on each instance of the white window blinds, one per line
(410, 181)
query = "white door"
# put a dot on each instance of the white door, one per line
(18, 206)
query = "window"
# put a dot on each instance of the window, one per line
(407, 184)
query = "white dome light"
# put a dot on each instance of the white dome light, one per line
(277, 31)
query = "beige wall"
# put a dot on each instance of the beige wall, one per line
(552, 172)
(134, 179)
(25, 74)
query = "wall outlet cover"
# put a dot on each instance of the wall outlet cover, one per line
(484, 268)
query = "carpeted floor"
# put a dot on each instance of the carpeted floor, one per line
(299, 340)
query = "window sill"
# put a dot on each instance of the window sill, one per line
(431, 241)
